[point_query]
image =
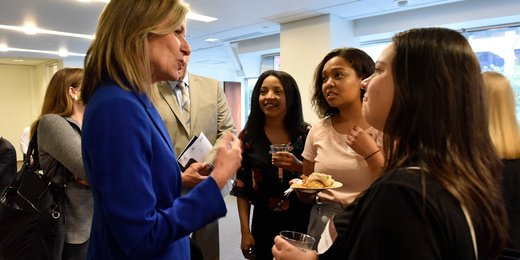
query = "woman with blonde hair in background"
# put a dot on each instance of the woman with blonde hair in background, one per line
(139, 212)
(59, 147)
(505, 134)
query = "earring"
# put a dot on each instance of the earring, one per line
(76, 98)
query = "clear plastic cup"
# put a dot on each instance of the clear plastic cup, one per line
(297, 239)
(279, 148)
(275, 149)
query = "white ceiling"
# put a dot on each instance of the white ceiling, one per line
(237, 20)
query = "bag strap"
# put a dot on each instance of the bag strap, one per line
(33, 150)
(74, 126)
(471, 230)
(67, 174)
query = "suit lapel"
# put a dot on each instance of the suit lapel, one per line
(168, 96)
(156, 119)
(195, 91)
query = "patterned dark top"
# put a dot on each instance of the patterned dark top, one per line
(259, 183)
(257, 180)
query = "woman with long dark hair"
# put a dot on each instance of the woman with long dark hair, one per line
(276, 118)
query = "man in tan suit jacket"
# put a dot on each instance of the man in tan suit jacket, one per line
(209, 114)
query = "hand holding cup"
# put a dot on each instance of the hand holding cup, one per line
(293, 245)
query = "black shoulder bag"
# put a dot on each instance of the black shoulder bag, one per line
(32, 223)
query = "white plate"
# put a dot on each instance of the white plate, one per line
(298, 187)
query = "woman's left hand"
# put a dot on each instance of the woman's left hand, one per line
(361, 142)
(283, 250)
(288, 161)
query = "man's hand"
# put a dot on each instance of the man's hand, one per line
(196, 173)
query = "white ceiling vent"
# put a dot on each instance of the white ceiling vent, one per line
(401, 3)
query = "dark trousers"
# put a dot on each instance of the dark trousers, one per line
(196, 253)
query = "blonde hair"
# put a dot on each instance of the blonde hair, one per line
(57, 99)
(120, 50)
(503, 125)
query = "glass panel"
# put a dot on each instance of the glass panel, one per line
(499, 50)
(250, 83)
(496, 49)
(270, 62)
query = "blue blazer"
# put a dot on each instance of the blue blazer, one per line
(136, 183)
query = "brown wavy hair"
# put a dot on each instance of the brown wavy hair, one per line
(57, 99)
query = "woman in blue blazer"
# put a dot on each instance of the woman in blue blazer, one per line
(128, 156)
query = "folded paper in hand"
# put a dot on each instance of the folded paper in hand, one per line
(196, 151)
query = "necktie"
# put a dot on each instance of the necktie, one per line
(185, 102)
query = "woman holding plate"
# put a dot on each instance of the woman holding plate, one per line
(342, 144)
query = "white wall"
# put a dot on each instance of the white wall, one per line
(22, 89)
(303, 45)
(16, 102)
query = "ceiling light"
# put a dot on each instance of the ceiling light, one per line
(211, 40)
(200, 17)
(191, 15)
(28, 29)
(59, 53)
(63, 52)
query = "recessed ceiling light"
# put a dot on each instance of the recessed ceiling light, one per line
(211, 40)
(30, 29)
(63, 52)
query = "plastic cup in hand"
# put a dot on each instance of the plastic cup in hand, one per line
(299, 240)
(275, 149)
